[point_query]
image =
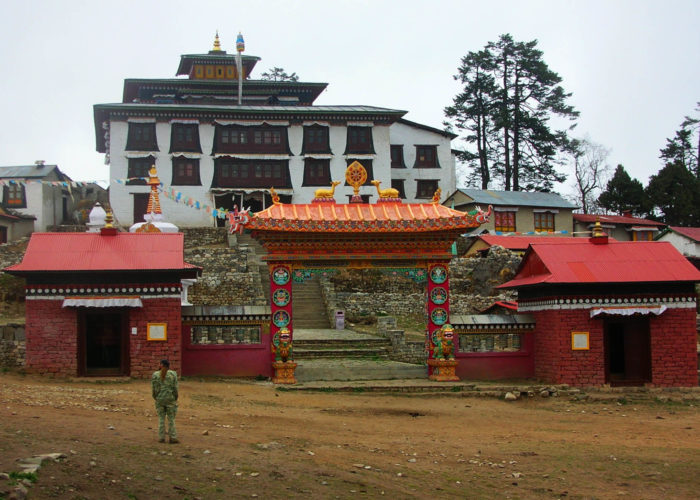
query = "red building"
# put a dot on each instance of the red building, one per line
(103, 303)
(609, 312)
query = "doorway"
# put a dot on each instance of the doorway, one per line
(627, 351)
(104, 344)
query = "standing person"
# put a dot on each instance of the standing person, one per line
(164, 390)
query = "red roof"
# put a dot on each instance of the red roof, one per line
(616, 219)
(691, 232)
(520, 243)
(97, 252)
(614, 262)
(363, 217)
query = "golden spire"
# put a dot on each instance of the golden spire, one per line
(217, 44)
(153, 200)
(109, 218)
(598, 229)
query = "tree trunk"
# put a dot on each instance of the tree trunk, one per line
(505, 118)
(516, 131)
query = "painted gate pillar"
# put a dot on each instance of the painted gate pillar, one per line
(441, 348)
(281, 336)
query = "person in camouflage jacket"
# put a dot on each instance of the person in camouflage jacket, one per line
(165, 393)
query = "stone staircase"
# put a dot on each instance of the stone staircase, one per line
(376, 348)
(308, 308)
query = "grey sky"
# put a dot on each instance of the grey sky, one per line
(633, 66)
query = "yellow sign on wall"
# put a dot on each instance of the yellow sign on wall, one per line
(580, 341)
(157, 331)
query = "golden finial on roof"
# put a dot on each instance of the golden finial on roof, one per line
(437, 195)
(356, 176)
(598, 229)
(153, 199)
(275, 196)
(217, 44)
(109, 218)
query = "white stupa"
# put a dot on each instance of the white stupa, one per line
(96, 219)
(155, 222)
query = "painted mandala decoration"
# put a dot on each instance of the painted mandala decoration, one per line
(438, 274)
(280, 297)
(439, 316)
(280, 276)
(438, 295)
(280, 318)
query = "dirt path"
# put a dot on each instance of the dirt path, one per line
(275, 444)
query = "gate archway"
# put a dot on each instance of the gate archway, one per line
(305, 238)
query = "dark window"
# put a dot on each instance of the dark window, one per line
(426, 157)
(544, 221)
(504, 221)
(359, 140)
(14, 195)
(397, 156)
(251, 173)
(185, 172)
(184, 137)
(138, 168)
(140, 206)
(316, 140)
(398, 185)
(317, 172)
(368, 167)
(426, 188)
(237, 139)
(142, 137)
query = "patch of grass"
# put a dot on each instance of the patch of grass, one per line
(15, 477)
(457, 388)
(358, 389)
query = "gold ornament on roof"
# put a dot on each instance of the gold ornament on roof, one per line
(598, 229)
(109, 219)
(437, 195)
(326, 194)
(387, 192)
(217, 44)
(275, 196)
(153, 199)
(356, 175)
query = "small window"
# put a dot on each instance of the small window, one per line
(316, 140)
(142, 137)
(185, 172)
(368, 167)
(397, 156)
(426, 188)
(398, 185)
(14, 195)
(137, 170)
(504, 221)
(317, 172)
(184, 137)
(544, 221)
(426, 157)
(642, 235)
(359, 140)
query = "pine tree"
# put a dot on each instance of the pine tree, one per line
(279, 75)
(674, 192)
(622, 194)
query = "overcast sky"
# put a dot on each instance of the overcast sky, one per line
(633, 66)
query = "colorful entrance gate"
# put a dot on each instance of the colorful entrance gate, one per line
(415, 239)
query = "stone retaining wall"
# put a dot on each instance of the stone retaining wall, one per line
(12, 346)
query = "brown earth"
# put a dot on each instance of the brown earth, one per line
(245, 438)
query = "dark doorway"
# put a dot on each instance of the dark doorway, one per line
(3, 234)
(104, 344)
(627, 351)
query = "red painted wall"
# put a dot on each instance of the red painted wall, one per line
(555, 361)
(495, 365)
(145, 355)
(229, 361)
(52, 338)
(673, 348)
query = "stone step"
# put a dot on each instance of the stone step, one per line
(310, 324)
(339, 353)
(348, 369)
(333, 343)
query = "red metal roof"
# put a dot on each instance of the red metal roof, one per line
(616, 219)
(691, 232)
(363, 217)
(614, 262)
(97, 252)
(520, 243)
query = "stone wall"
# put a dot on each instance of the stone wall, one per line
(12, 346)
(402, 350)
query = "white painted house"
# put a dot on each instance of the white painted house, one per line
(685, 239)
(209, 150)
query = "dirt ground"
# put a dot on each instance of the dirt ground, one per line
(248, 439)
